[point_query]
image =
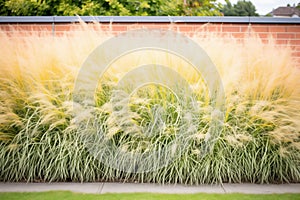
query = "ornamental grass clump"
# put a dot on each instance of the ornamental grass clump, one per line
(46, 136)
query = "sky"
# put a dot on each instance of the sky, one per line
(263, 7)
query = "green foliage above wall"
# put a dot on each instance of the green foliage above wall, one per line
(109, 7)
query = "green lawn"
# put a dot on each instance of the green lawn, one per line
(57, 195)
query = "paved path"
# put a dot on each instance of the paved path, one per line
(101, 188)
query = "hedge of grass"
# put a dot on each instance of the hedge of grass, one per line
(259, 141)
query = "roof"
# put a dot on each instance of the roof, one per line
(286, 11)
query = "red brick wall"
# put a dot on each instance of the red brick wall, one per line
(282, 33)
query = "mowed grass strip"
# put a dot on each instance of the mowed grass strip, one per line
(143, 196)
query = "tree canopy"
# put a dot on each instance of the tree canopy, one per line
(241, 8)
(109, 7)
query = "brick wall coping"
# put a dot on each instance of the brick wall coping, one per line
(148, 19)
